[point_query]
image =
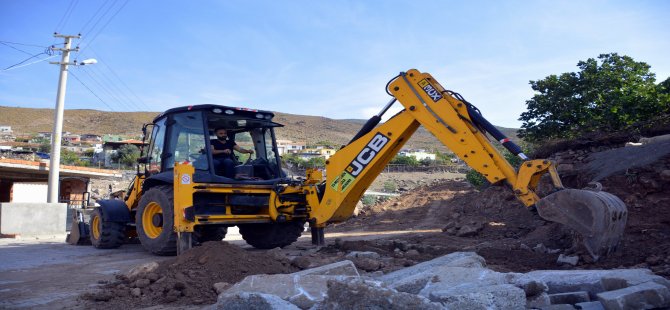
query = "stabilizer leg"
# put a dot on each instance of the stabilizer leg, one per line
(184, 242)
(318, 237)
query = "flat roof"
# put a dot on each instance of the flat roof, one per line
(35, 167)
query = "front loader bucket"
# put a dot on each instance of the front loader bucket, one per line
(79, 231)
(599, 217)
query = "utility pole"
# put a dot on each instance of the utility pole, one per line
(54, 163)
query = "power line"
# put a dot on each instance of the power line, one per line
(89, 89)
(48, 51)
(28, 64)
(83, 29)
(105, 26)
(109, 91)
(68, 12)
(127, 101)
(139, 104)
(20, 50)
(24, 44)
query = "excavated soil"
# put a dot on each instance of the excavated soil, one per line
(189, 278)
(434, 220)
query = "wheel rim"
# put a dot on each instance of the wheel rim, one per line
(96, 227)
(152, 209)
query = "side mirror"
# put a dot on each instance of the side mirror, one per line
(143, 160)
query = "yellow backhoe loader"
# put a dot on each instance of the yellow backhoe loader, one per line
(180, 195)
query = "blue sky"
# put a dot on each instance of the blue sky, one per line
(325, 58)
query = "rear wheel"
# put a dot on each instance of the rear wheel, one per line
(271, 235)
(105, 235)
(154, 221)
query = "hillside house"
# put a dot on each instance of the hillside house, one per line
(288, 146)
(110, 148)
(321, 151)
(91, 138)
(417, 154)
(5, 129)
(71, 139)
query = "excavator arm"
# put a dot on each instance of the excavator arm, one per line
(599, 217)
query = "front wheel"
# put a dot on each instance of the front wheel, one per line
(154, 221)
(105, 235)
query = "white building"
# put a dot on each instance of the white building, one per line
(288, 146)
(417, 154)
(6, 129)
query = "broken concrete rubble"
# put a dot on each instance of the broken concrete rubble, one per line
(455, 281)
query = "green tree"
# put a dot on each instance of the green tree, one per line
(68, 157)
(127, 155)
(404, 160)
(316, 162)
(612, 93)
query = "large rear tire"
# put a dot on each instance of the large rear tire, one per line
(105, 235)
(154, 221)
(271, 235)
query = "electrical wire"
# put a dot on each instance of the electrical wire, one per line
(48, 51)
(28, 64)
(104, 63)
(104, 26)
(83, 29)
(110, 92)
(89, 89)
(24, 44)
(66, 15)
(18, 49)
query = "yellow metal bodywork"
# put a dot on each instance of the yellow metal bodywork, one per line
(351, 170)
(428, 104)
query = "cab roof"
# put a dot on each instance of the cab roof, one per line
(223, 110)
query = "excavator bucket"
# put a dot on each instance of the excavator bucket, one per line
(599, 217)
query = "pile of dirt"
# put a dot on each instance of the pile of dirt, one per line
(189, 278)
(512, 238)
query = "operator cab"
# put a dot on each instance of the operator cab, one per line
(186, 134)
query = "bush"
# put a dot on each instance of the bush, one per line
(390, 186)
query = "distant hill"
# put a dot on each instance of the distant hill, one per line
(311, 129)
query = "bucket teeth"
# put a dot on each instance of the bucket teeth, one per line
(599, 217)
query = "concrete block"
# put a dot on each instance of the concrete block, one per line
(304, 290)
(244, 301)
(356, 293)
(343, 268)
(642, 296)
(538, 301)
(558, 307)
(448, 278)
(505, 296)
(569, 298)
(456, 259)
(358, 254)
(528, 284)
(32, 219)
(591, 305)
(594, 281)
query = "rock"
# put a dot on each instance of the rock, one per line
(256, 301)
(137, 292)
(456, 259)
(301, 262)
(358, 208)
(642, 296)
(594, 281)
(152, 276)
(312, 286)
(503, 296)
(529, 285)
(367, 264)
(142, 283)
(221, 287)
(401, 244)
(470, 230)
(538, 301)
(360, 294)
(141, 270)
(357, 254)
(343, 268)
(540, 248)
(565, 168)
(413, 254)
(564, 259)
(559, 307)
(591, 305)
(569, 298)
(665, 175)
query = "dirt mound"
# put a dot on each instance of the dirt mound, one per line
(189, 279)
(512, 238)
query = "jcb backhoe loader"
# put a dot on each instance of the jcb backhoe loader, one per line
(180, 196)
